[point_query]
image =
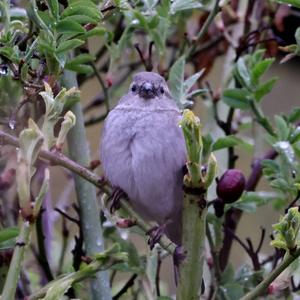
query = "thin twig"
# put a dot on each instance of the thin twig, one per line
(67, 216)
(262, 237)
(293, 202)
(249, 249)
(105, 9)
(95, 120)
(204, 29)
(143, 60)
(125, 288)
(42, 255)
(157, 275)
(104, 88)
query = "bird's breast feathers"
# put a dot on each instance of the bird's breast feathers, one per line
(143, 153)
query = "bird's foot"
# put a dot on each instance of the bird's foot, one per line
(178, 257)
(115, 199)
(155, 234)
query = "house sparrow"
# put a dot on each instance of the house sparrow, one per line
(143, 152)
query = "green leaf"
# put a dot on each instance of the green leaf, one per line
(61, 58)
(232, 291)
(81, 19)
(207, 146)
(243, 72)
(179, 5)
(68, 45)
(56, 291)
(8, 234)
(294, 116)
(11, 53)
(295, 3)
(69, 26)
(9, 244)
(24, 71)
(97, 31)
(188, 83)
(237, 98)
(134, 261)
(90, 3)
(295, 136)
(282, 128)
(260, 68)
(163, 9)
(158, 41)
(258, 56)
(47, 19)
(83, 8)
(54, 8)
(81, 59)
(150, 4)
(227, 275)
(226, 142)
(196, 93)
(46, 43)
(280, 184)
(35, 17)
(265, 88)
(30, 50)
(270, 168)
(141, 18)
(153, 23)
(249, 207)
(176, 79)
(80, 68)
(251, 200)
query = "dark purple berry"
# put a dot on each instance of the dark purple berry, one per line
(231, 185)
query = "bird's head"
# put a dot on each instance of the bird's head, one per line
(149, 85)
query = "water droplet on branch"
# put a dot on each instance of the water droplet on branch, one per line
(3, 70)
(12, 124)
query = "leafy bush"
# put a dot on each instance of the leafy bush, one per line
(47, 54)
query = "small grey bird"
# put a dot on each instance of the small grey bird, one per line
(143, 152)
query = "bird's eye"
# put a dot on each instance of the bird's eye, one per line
(134, 88)
(162, 91)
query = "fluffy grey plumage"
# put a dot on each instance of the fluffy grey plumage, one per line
(143, 151)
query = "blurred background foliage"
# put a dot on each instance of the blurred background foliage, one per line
(235, 63)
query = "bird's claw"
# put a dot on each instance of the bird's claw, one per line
(155, 234)
(178, 257)
(115, 198)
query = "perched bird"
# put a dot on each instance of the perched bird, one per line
(143, 152)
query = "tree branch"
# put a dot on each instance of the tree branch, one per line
(86, 194)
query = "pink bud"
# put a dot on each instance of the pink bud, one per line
(125, 223)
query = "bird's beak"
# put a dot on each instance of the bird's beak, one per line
(147, 90)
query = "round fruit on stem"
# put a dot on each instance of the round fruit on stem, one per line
(231, 185)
